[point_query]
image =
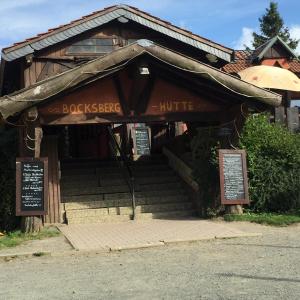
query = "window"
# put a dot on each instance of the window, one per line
(91, 46)
(131, 41)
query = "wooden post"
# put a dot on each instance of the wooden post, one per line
(292, 114)
(238, 114)
(280, 115)
(234, 209)
(33, 137)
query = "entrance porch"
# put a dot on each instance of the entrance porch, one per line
(64, 118)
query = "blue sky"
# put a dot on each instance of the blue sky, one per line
(228, 22)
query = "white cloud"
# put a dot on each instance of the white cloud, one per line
(295, 34)
(245, 39)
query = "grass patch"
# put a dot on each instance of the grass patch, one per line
(273, 219)
(39, 254)
(15, 238)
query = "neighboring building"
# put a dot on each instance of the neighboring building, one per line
(274, 52)
(118, 79)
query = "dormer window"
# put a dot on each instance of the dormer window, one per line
(92, 46)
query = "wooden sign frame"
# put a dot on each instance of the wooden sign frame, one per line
(19, 211)
(222, 153)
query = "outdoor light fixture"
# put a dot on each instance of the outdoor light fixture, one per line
(144, 70)
(211, 58)
(122, 20)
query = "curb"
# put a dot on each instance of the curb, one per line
(137, 246)
(77, 252)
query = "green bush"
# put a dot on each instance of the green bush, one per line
(204, 147)
(8, 146)
(273, 155)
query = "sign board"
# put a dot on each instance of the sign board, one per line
(141, 138)
(31, 186)
(233, 177)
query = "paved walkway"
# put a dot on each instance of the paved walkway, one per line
(139, 234)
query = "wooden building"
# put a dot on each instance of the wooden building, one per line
(118, 83)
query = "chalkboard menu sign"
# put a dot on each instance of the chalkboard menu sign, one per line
(142, 141)
(31, 186)
(233, 177)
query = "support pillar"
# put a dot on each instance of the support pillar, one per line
(32, 136)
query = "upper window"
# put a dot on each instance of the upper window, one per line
(91, 46)
(131, 41)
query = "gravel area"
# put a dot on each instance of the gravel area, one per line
(265, 267)
(53, 244)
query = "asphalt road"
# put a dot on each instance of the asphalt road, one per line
(266, 267)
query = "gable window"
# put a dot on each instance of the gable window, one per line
(131, 41)
(92, 46)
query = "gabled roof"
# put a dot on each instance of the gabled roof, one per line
(118, 59)
(98, 18)
(247, 58)
(260, 51)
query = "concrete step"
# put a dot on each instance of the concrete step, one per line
(79, 177)
(110, 194)
(79, 171)
(87, 163)
(92, 190)
(127, 210)
(87, 189)
(160, 186)
(96, 219)
(140, 180)
(167, 215)
(125, 218)
(100, 203)
(139, 173)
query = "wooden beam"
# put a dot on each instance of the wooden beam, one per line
(39, 92)
(142, 104)
(113, 118)
(198, 86)
(121, 95)
(137, 88)
(38, 139)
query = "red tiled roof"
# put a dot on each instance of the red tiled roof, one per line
(243, 61)
(294, 66)
(242, 54)
(111, 8)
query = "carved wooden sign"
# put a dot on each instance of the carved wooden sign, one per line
(169, 98)
(97, 98)
(31, 186)
(233, 177)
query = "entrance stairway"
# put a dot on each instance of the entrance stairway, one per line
(94, 192)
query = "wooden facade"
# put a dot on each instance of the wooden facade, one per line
(121, 85)
(56, 59)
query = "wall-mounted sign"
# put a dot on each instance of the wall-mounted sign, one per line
(97, 98)
(31, 186)
(233, 177)
(141, 140)
(167, 98)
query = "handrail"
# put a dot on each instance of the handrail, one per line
(125, 161)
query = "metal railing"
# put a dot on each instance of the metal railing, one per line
(124, 164)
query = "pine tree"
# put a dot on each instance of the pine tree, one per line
(271, 24)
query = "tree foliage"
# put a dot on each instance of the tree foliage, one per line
(8, 146)
(272, 24)
(273, 163)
